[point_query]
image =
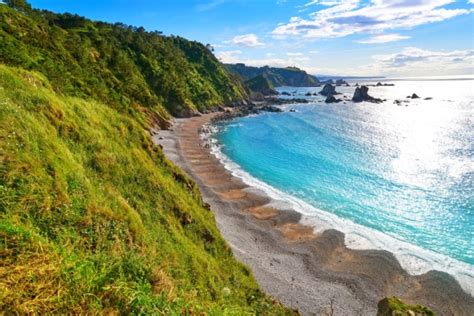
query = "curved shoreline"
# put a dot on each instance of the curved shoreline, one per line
(312, 272)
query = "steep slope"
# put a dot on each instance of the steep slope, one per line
(261, 84)
(120, 65)
(94, 219)
(289, 76)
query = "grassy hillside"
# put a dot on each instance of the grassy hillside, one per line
(289, 76)
(120, 65)
(261, 84)
(93, 218)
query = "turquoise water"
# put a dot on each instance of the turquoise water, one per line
(404, 171)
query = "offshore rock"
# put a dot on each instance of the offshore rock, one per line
(328, 89)
(332, 99)
(361, 94)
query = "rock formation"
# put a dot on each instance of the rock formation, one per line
(413, 96)
(332, 99)
(361, 94)
(328, 89)
(340, 82)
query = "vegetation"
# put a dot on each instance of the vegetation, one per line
(392, 306)
(93, 217)
(289, 76)
(261, 84)
(120, 65)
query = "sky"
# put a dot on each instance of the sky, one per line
(332, 37)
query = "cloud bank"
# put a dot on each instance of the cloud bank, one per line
(339, 18)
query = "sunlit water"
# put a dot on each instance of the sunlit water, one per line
(404, 174)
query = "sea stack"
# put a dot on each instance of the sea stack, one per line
(328, 89)
(361, 94)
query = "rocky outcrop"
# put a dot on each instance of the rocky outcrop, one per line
(379, 84)
(361, 94)
(328, 89)
(341, 82)
(278, 101)
(413, 96)
(332, 99)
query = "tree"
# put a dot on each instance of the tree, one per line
(19, 5)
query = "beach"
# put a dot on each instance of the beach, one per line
(314, 273)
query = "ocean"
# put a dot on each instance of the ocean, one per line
(392, 177)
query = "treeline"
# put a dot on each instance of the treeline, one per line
(121, 65)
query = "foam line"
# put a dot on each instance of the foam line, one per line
(414, 259)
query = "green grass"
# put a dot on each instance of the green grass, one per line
(393, 306)
(94, 219)
(120, 65)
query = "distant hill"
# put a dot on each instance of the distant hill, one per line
(290, 76)
(261, 84)
(331, 77)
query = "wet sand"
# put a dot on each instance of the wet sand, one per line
(314, 273)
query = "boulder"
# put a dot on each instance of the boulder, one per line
(285, 93)
(308, 94)
(328, 89)
(428, 98)
(361, 94)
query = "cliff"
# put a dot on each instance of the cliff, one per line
(278, 77)
(93, 218)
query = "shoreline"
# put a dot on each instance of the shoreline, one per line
(308, 271)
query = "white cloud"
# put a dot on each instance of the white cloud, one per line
(346, 17)
(248, 40)
(235, 56)
(416, 61)
(384, 38)
(409, 62)
(471, 1)
(294, 54)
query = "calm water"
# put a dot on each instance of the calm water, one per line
(404, 171)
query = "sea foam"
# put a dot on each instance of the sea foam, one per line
(414, 259)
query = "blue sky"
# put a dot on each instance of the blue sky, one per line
(345, 37)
